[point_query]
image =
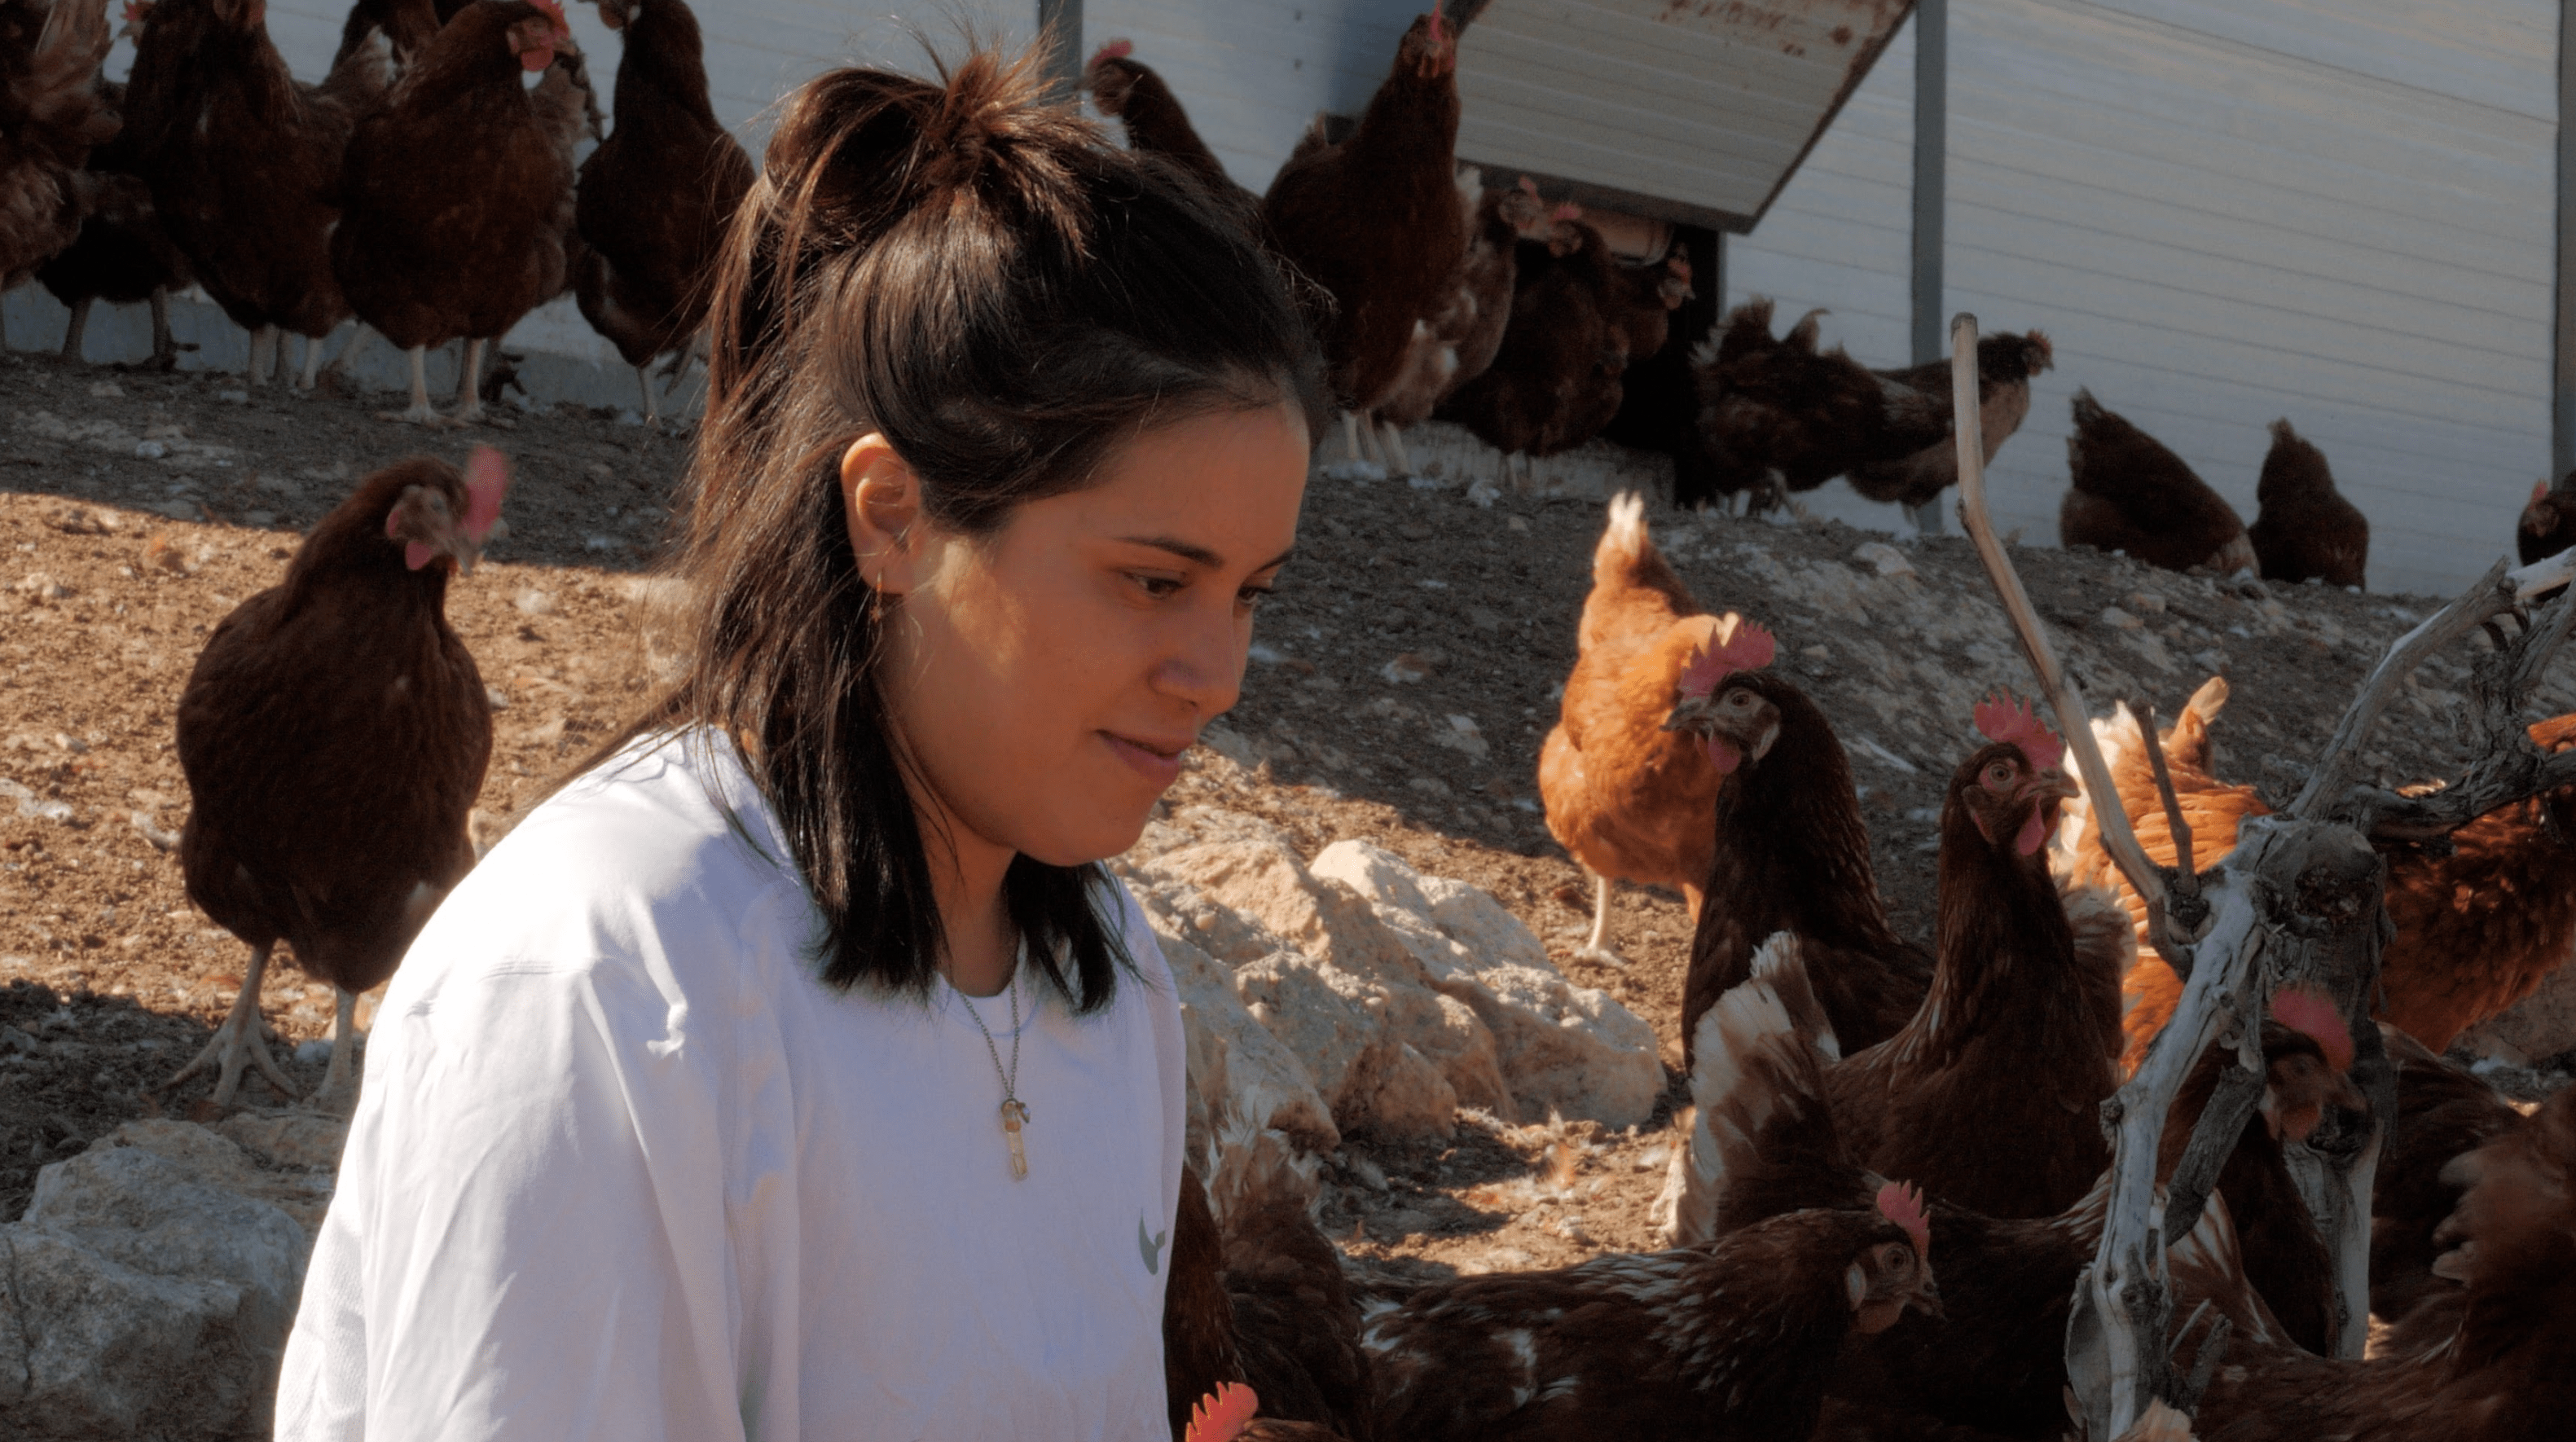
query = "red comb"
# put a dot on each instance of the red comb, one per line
(2002, 718)
(554, 11)
(1436, 33)
(1221, 1415)
(487, 480)
(1567, 211)
(1903, 1205)
(1114, 50)
(135, 10)
(1530, 187)
(2304, 1007)
(1748, 649)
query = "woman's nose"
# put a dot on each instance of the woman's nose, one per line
(1205, 667)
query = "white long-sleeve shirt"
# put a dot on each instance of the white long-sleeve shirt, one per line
(624, 1168)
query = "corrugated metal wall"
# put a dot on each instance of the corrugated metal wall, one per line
(1253, 76)
(2223, 213)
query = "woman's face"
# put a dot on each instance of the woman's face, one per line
(1047, 677)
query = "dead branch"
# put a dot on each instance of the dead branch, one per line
(2184, 909)
(2072, 718)
(2494, 595)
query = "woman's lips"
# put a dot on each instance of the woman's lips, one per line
(1154, 763)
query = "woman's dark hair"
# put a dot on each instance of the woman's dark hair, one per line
(981, 277)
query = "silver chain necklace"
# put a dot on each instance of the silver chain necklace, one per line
(1015, 1113)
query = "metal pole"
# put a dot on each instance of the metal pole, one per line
(2562, 387)
(1060, 21)
(1931, 197)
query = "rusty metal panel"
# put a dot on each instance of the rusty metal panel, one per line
(1703, 108)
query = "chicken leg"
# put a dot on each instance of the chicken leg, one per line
(1391, 442)
(237, 1042)
(644, 383)
(345, 364)
(312, 362)
(72, 332)
(420, 412)
(469, 394)
(1598, 947)
(263, 355)
(165, 347)
(342, 1075)
(1357, 464)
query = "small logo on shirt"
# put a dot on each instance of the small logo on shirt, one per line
(1150, 1246)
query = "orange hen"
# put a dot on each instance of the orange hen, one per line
(2477, 930)
(1628, 799)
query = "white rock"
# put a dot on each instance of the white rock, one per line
(1569, 1049)
(1884, 558)
(145, 1295)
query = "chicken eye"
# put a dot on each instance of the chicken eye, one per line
(1896, 1257)
(1999, 775)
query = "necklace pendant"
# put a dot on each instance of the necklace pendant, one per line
(1014, 1115)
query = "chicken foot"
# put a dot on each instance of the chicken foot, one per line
(420, 412)
(312, 362)
(469, 394)
(644, 383)
(237, 1043)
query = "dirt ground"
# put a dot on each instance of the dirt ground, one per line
(1404, 678)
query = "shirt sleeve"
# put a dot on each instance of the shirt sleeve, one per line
(530, 1234)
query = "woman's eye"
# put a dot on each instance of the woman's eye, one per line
(1251, 597)
(1158, 587)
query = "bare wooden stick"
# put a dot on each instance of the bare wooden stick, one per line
(2187, 875)
(2072, 718)
(2494, 595)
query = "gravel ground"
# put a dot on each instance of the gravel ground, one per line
(1403, 680)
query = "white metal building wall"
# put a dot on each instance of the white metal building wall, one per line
(2226, 211)
(1253, 76)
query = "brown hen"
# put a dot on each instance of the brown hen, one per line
(1776, 415)
(1731, 1341)
(334, 735)
(656, 198)
(2306, 530)
(1260, 1299)
(1374, 220)
(244, 164)
(2131, 494)
(458, 194)
(53, 111)
(2005, 364)
(1788, 826)
(1991, 1092)
(2503, 1369)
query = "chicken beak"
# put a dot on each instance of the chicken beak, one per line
(2053, 785)
(1691, 713)
(1927, 1299)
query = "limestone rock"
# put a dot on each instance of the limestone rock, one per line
(143, 1296)
(1562, 1048)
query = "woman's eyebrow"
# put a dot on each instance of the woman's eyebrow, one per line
(1198, 555)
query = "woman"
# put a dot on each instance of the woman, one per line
(795, 1071)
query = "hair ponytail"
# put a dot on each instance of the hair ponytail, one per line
(981, 277)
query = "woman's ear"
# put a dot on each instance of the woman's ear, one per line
(881, 500)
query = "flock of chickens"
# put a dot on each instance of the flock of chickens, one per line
(1492, 309)
(422, 186)
(1868, 1116)
(1895, 1165)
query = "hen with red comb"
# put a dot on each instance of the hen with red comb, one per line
(321, 815)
